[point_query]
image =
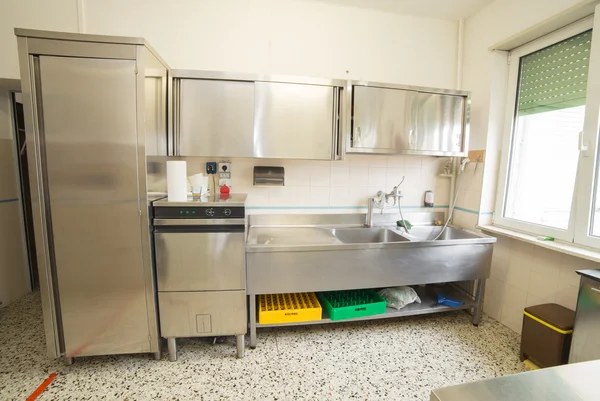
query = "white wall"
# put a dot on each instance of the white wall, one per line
(496, 22)
(522, 274)
(330, 187)
(290, 37)
(286, 37)
(54, 15)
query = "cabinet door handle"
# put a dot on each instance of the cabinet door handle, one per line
(595, 289)
(358, 134)
(583, 145)
(411, 140)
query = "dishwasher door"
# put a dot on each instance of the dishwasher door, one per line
(200, 260)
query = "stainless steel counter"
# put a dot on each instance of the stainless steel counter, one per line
(575, 382)
(290, 236)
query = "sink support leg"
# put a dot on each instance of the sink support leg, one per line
(172, 345)
(478, 309)
(252, 306)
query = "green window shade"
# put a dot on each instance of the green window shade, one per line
(555, 77)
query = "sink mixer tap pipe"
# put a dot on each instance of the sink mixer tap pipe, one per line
(398, 198)
(463, 164)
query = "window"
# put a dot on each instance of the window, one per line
(549, 182)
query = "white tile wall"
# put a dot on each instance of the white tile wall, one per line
(464, 219)
(469, 197)
(524, 275)
(338, 186)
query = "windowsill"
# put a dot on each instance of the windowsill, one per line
(558, 246)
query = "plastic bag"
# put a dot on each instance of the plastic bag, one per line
(399, 297)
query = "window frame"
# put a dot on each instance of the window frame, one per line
(589, 156)
(515, 56)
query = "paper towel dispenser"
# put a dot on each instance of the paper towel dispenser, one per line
(269, 175)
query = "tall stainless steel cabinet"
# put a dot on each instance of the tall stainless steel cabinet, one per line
(94, 106)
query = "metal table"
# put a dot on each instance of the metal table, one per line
(576, 382)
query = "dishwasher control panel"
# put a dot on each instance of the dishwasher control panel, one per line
(199, 212)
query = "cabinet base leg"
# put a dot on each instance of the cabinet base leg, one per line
(157, 356)
(240, 345)
(69, 361)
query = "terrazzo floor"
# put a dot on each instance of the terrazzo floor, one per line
(394, 359)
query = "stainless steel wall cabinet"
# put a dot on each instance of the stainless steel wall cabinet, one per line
(89, 102)
(216, 118)
(382, 119)
(243, 115)
(393, 119)
(294, 121)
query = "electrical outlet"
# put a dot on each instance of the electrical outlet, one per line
(211, 168)
(477, 156)
(225, 173)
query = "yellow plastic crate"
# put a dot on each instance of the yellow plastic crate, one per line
(287, 308)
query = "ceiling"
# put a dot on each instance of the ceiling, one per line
(444, 9)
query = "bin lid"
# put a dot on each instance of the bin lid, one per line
(553, 314)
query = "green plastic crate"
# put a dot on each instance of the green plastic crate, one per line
(341, 305)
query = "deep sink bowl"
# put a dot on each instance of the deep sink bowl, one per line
(428, 233)
(367, 235)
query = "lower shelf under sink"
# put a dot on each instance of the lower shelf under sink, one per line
(428, 305)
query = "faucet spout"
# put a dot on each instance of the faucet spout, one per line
(369, 218)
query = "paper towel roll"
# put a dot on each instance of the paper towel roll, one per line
(176, 181)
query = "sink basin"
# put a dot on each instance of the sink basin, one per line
(428, 233)
(367, 235)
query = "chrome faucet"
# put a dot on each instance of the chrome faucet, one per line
(395, 194)
(381, 200)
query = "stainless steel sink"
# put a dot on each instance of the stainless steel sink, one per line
(367, 235)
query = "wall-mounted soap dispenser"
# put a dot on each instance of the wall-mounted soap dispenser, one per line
(428, 199)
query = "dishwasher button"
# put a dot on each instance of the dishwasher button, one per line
(210, 212)
(227, 212)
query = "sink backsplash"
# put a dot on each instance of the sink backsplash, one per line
(323, 186)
